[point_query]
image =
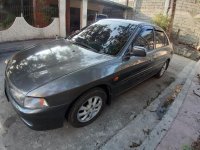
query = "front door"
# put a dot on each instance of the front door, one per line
(137, 69)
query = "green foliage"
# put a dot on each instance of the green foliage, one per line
(8, 21)
(49, 12)
(186, 147)
(161, 21)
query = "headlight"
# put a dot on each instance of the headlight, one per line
(34, 103)
(6, 61)
(18, 96)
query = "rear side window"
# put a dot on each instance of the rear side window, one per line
(145, 39)
(160, 39)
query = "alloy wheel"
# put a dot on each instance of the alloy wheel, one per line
(163, 69)
(89, 109)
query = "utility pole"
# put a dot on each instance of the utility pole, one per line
(127, 2)
(126, 11)
(22, 8)
(170, 27)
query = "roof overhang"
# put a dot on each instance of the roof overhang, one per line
(111, 3)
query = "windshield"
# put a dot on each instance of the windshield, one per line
(105, 36)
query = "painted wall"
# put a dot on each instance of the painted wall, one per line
(21, 30)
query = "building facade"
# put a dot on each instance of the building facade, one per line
(33, 19)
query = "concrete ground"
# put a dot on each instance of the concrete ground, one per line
(149, 127)
(14, 135)
(185, 129)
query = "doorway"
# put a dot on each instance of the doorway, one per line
(74, 19)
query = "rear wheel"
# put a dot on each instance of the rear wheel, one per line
(87, 108)
(162, 70)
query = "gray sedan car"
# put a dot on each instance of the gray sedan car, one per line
(75, 78)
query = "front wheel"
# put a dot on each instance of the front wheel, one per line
(87, 108)
(162, 70)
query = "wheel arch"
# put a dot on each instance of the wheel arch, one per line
(105, 87)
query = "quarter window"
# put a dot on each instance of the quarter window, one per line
(160, 39)
(145, 39)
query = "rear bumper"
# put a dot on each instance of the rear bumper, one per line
(39, 119)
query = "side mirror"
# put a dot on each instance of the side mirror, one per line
(139, 51)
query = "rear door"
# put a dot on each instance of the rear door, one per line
(162, 49)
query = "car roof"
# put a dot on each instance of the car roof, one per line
(139, 23)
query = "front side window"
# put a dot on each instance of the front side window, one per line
(105, 36)
(160, 39)
(145, 39)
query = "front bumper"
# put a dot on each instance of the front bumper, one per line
(39, 119)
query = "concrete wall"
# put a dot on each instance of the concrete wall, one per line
(186, 11)
(21, 30)
(146, 9)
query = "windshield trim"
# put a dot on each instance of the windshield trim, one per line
(129, 41)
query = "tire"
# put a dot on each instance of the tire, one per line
(162, 70)
(87, 108)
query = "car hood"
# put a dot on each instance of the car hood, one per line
(43, 63)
